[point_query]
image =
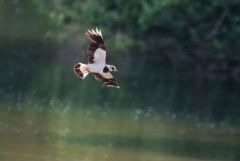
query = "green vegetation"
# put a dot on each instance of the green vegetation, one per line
(186, 50)
(201, 36)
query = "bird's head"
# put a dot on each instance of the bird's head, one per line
(112, 68)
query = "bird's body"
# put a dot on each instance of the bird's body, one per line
(96, 61)
(95, 68)
(99, 63)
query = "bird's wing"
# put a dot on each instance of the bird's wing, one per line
(96, 49)
(107, 79)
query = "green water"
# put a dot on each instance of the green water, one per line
(68, 133)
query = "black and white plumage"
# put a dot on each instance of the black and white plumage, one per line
(97, 61)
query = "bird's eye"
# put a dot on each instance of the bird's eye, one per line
(112, 68)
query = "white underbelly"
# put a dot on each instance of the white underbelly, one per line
(96, 68)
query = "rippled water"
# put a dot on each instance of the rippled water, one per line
(95, 134)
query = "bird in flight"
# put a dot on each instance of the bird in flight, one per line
(97, 61)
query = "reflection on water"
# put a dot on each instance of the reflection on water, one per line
(67, 133)
(185, 94)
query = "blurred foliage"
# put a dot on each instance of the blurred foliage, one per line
(21, 20)
(201, 34)
(198, 36)
(169, 51)
(24, 46)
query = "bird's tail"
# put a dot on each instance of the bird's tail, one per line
(81, 70)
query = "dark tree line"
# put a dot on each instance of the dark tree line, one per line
(167, 51)
(199, 35)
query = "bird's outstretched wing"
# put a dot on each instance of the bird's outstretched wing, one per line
(96, 49)
(107, 79)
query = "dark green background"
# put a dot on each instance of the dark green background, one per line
(179, 73)
(174, 56)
